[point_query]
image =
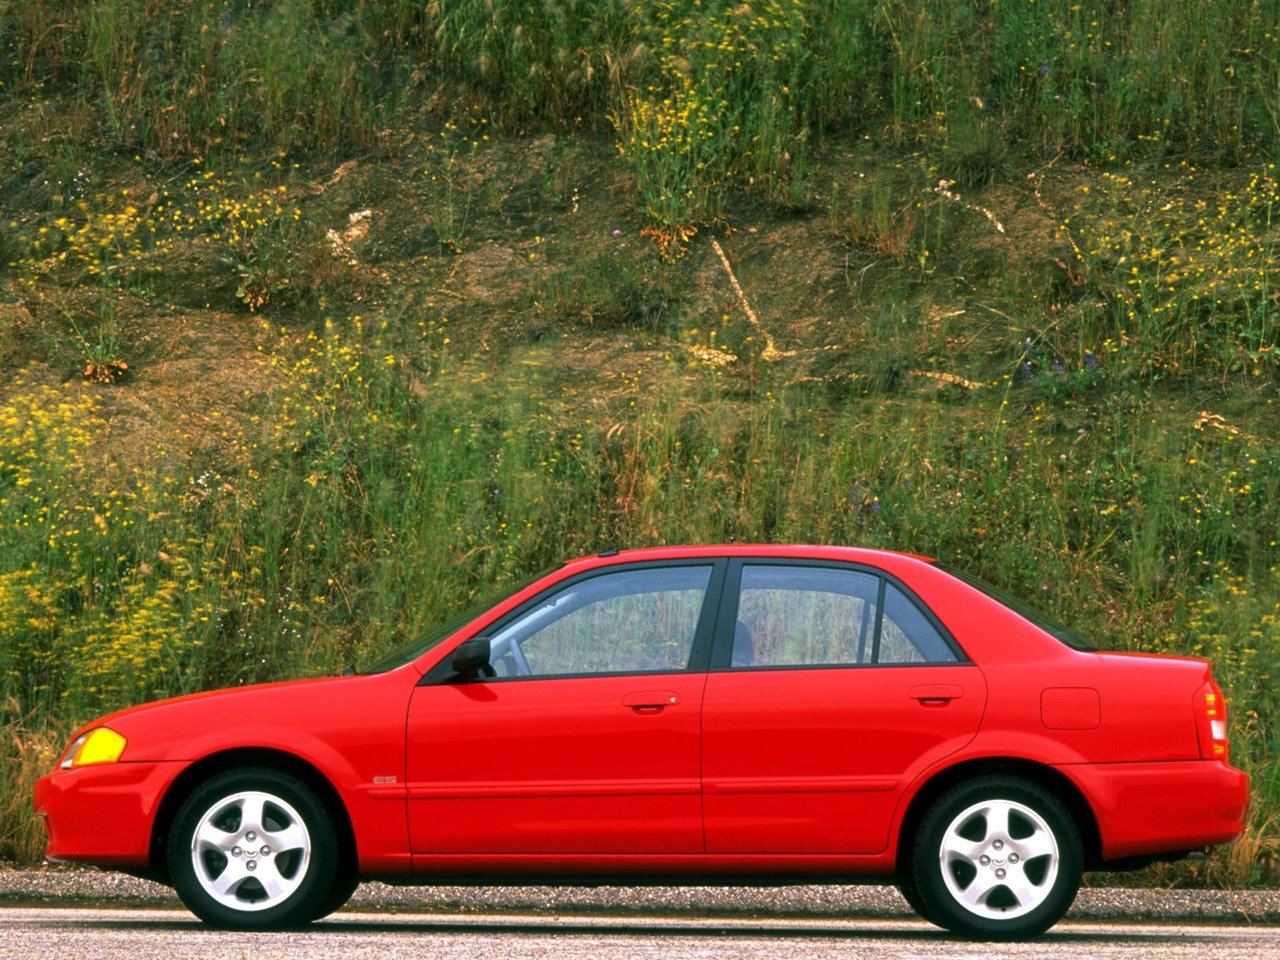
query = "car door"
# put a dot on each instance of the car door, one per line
(830, 688)
(586, 741)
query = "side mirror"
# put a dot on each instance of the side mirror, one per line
(471, 659)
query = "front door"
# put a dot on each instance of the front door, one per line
(587, 739)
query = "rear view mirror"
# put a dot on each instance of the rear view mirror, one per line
(471, 659)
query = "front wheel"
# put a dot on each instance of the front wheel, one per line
(254, 849)
(998, 859)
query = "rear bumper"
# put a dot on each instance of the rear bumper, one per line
(104, 814)
(1154, 808)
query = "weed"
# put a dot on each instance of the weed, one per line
(382, 499)
(975, 155)
(902, 217)
(450, 196)
(103, 363)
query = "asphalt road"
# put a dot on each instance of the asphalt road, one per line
(72, 913)
(112, 934)
(85, 887)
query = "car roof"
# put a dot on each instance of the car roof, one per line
(787, 551)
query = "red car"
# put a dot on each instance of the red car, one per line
(750, 714)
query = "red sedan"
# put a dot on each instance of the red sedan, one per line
(752, 714)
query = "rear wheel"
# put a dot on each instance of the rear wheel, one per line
(255, 849)
(997, 858)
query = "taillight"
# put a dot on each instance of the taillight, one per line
(1211, 718)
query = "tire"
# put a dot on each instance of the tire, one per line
(254, 849)
(344, 885)
(910, 893)
(997, 859)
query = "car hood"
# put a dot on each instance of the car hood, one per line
(287, 715)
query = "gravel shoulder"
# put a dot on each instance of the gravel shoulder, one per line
(83, 886)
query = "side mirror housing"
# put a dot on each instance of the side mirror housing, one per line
(472, 659)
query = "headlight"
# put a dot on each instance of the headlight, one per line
(100, 745)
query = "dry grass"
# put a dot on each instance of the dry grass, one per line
(28, 749)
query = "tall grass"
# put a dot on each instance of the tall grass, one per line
(28, 748)
(389, 484)
(381, 499)
(562, 61)
(1093, 79)
(197, 75)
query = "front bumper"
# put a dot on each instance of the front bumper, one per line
(103, 814)
(1153, 808)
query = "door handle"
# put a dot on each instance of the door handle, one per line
(650, 701)
(936, 694)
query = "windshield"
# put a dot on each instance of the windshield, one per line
(1025, 610)
(418, 647)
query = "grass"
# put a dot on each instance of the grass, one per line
(29, 746)
(1177, 273)
(703, 96)
(1012, 309)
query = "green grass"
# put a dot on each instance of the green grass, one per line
(1091, 79)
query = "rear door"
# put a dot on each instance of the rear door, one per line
(831, 687)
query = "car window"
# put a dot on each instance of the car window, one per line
(792, 616)
(632, 621)
(822, 616)
(906, 635)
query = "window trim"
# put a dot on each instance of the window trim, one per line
(722, 649)
(699, 654)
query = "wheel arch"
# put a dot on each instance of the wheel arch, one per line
(207, 767)
(1050, 779)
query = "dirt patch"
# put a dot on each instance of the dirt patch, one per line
(195, 383)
